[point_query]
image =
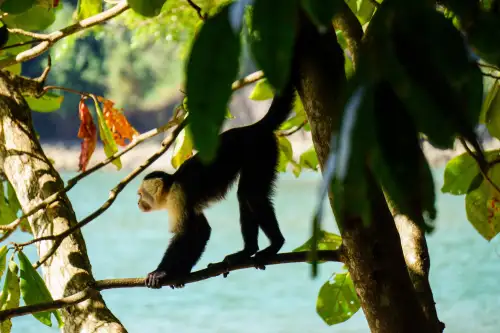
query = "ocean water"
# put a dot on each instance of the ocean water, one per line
(123, 242)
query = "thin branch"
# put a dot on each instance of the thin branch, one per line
(29, 42)
(9, 228)
(249, 79)
(491, 75)
(34, 35)
(481, 165)
(489, 66)
(112, 197)
(198, 9)
(295, 130)
(203, 274)
(47, 40)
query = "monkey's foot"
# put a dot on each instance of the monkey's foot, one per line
(263, 256)
(224, 265)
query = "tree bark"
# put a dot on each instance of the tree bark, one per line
(34, 178)
(373, 254)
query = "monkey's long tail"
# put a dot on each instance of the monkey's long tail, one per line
(280, 108)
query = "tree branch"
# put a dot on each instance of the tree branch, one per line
(214, 270)
(249, 79)
(47, 40)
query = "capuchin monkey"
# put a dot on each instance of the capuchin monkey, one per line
(250, 152)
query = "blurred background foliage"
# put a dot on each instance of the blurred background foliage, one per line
(135, 61)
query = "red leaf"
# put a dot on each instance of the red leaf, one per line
(117, 123)
(88, 133)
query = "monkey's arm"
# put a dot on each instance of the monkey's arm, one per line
(184, 250)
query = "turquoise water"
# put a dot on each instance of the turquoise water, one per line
(126, 243)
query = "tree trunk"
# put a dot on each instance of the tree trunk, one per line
(34, 179)
(373, 254)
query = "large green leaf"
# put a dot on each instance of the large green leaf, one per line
(488, 101)
(400, 165)
(272, 37)
(16, 6)
(321, 12)
(7, 214)
(88, 8)
(35, 18)
(215, 54)
(49, 102)
(12, 197)
(10, 296)
(3, 259)
(34, 290)
(147, 8)
(262, 91)
(482, 205)
(337, 301)
(490, 114)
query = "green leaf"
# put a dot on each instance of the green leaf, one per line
(337, 301)
(363, 9)
(326, 241)
(3, 259)
(321, 12)
(272, 38)
(34, 290)
(16, 6)
(183, 149)
(262, 91)
(7, 214)
(285, 146)
(228, 114)
(49, 102)
(35, 18)
(12, 197)
(487, 104)
(215, 54)
(482, 205)
(88, 8)
(309, 159)
(461, 171)
(14, 69)
(10, 296)
(148, 8)
(400, 165)
(110, 146)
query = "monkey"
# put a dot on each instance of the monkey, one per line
(249, 153)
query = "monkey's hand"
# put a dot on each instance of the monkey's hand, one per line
(155, 278)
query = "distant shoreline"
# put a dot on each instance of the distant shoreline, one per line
(66, 155)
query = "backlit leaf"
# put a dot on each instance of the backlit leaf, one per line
(35, 18)
(3, 259)
(12, 197)
(337, 300)
(326, 241)
(110, 147)
(309, 159)
(10, 296)
(48, 102)
(183, 149)
(89, 8)
(88, 133)
(208, 98)
(262, 91)
(147, 8)
(272, 38)
(16, 6)
(34, 290)
(118, 123)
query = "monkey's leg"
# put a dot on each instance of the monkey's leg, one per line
(183, 252)
(269, 224)
(249, 228)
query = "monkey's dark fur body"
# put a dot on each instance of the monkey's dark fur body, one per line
(250, 152)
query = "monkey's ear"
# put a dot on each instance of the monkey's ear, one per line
(4, 34)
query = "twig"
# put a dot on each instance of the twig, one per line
(491, 75)
(250, 78)
(28, 42)
(33, 35)
(480, 165)
(9, 228)
(489, 66)
(295, 130)
(203, 274)
(47, 40)
(198, 9)
(112, 197)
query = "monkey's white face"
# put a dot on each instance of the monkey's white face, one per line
(146, 201)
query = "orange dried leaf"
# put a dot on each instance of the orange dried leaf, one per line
(117, 123)
(88, 133)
